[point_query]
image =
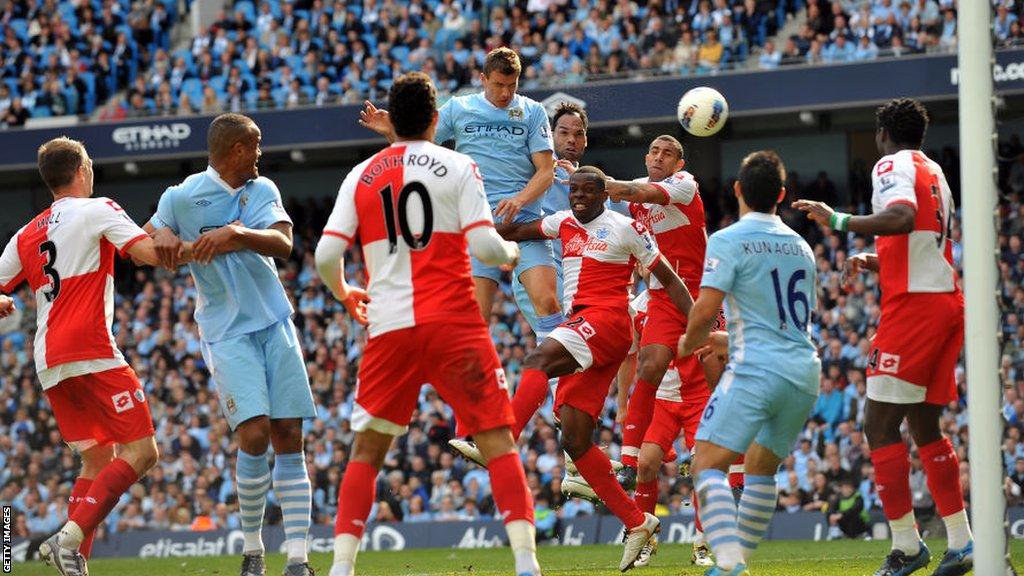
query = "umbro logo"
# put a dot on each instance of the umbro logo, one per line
(203, 203)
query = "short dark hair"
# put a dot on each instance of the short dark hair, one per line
(226, 130)
(905, 120)
(59, 160)
(761, 178)
(412, 101)
(594, 173)
(565, 108)
(503, 61)
(673, 141)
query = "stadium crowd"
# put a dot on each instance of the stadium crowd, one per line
(192, 487)
(61, 57)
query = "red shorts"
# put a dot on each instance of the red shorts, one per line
(914, 354)
(665, 324)
(103, 408)
(599, 340)
(671, 418)
(458, 359)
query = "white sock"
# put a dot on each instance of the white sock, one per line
(904, 534)
(71, 536)
(296, 551)
(522, 538)
(346, 546)
(698, 538)
(958, 530)
(253, 543)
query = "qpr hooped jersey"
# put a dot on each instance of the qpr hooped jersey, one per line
(921, 261)
(410, 206)
(671, 386)
(66, 254)
(679, 226)
(598, 257)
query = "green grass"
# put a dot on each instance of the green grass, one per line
(846, 558)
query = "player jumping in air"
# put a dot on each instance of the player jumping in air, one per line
(66, 254)
(413, 207)
(509, 138)
(914, 353)
(237, 223)
(765, 274)
(600, 250)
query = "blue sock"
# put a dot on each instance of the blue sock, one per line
(545, 324)
(292, 488)
(253, 479)
(718, 515)
(757, 505)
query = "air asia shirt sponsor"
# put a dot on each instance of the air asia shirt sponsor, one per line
(152, 137)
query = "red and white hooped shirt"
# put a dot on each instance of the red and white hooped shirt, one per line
(66, 254)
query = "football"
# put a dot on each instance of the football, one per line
(702, 111)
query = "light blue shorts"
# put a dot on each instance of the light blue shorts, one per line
(746, 408)
(261, 374)
(532, 253)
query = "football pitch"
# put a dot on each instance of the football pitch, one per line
(779, 558)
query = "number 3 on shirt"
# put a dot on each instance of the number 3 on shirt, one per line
(414, 241)
(50, 250)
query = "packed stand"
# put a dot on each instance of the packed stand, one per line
(62, 58)
(859, 30)
(192, 488)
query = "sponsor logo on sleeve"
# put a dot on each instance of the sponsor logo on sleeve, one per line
(711, 264)
(499, 377)
(884, 167)
(889, 363)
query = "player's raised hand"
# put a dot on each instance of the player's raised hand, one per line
(817, 211)
(168, 247)
(355, 302)
(508, 208)
(511, 264)
(376, 119)
(569, 168)
(216, 242)
(715, 349)
(6, 306)
(854, 266)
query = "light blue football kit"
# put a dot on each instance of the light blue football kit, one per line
(771, 382)
(501, 141)
(248, 339)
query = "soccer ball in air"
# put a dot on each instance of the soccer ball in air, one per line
(702, 111)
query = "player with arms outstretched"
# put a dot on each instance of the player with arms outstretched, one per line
(509, 138)
(600, 250)
(238, 224)
(414, 206)
(761, 403)
(66, 254)
(914, 354)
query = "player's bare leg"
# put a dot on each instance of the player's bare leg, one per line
(254, 481)
(293, 491)
(651, 367)
(356, 495)
(485, 289)
(511, 496)
(541, 284)
(133, 460)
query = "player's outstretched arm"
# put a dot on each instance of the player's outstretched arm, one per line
(275, 241)
(167, 245)
(640, 192)
(674, 286)
(488, 247)
(330, 265)
(377, 120)
(543, 178)
(522, 231)
(700, 320)
(895, 220)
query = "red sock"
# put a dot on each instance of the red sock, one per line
(355, 498)
(105, 491)
(736, 478)
(892, 475)
(78, 494)
(508, 485)
(639, 413)
(533, 389)
(646, 495)
(942, 470)
(597, 470)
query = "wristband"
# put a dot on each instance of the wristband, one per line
(839, 221)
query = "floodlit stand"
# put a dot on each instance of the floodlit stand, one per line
(978, 170)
